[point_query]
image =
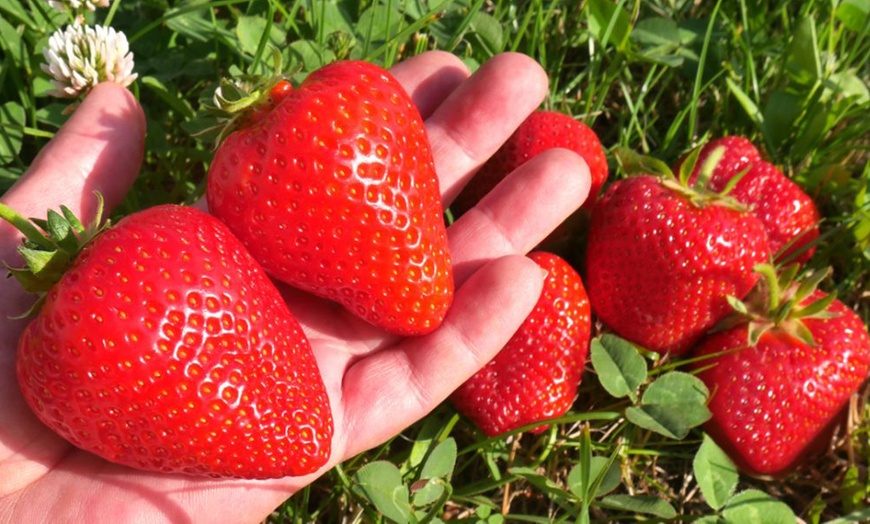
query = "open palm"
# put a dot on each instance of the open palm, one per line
(378, 384)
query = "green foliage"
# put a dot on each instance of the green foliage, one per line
(672, 405)
(381, 483)
(654, 76)
(620, 367)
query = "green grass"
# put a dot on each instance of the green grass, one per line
(658, 76)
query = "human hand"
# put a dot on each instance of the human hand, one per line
(378, 384)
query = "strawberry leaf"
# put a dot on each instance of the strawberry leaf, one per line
(26, 227)
(75, 223)
(58, 227)
(708, 167)
(810, 283)
(687, 167)
(50, 246)
(634, 163)
(737, 305)
(817, 309)
(733, 181)
(799, 331)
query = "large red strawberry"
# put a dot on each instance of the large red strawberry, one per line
(789, 215)
(334, 191)
(541, 131)
(535, 376)
(774, 397)
(662, 259)
(166, 347)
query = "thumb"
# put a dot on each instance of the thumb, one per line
(99, 148)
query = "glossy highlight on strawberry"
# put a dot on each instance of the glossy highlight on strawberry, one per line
(535, 376)
(166, 347)
(334, 191)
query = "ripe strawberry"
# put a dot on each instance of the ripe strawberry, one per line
(789, 215)
(535, 376)
(541, 131)
(165, 347)
(739, 154)
(661, 260)
(774, 395)
(334, 191)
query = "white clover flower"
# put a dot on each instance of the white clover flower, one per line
(75, 5)
(79, 57)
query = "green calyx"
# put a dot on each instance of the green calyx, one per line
(777, 302)
(697, 192)
(238, 101)
(50, 246)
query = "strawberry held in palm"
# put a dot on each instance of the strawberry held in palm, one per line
(166, 347)
(333, 190)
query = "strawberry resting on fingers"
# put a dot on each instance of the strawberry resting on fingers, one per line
(535, 377)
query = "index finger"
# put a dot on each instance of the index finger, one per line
(479, 116)
(429, 78)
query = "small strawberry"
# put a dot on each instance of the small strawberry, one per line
(789, 215)
(662, 258)
(780, 378)
(541, 131)
(334, 191)
(165, 347)
(739, 154)
(535, 376)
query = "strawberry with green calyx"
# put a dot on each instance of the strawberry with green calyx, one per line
(789, 215)
(334, 191)
(535, 376)
(165, 347)
(781, 371)
(662, 256)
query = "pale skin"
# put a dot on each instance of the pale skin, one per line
(378, 384)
